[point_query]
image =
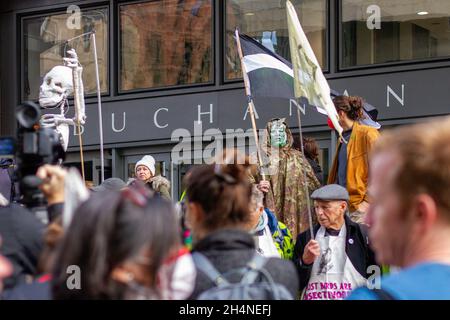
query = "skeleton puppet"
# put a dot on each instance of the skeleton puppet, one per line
(59, 83)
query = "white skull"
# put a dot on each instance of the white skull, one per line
(57, 85)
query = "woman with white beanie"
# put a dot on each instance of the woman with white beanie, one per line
(145, 172)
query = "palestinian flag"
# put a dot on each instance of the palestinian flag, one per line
(269, 74)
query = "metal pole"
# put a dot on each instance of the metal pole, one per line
(100, 117)
(308, 203)
(250, 103)
(77, 102)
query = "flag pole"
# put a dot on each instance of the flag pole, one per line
(251, 106)
(100, 115)
(308, 202)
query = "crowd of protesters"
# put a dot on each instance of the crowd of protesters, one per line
(272, 231)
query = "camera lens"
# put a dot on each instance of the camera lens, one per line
(28, 114)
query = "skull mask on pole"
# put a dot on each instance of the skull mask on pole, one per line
(57, 86)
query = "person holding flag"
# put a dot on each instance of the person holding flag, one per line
(285, 186)
(350, 163)
(285, 176)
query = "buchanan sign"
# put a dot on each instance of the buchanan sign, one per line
(396, 96)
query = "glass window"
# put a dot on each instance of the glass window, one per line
(406, 30)
(265, 21)
(45, 44)
(165, 43)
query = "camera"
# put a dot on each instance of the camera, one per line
(34, 147)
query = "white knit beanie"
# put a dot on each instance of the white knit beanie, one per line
(147, 161)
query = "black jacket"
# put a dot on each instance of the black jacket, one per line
(37, 290)
(317, 169)
(356, 247)
(231, 249)
(22, 234)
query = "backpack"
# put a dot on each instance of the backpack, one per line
(247, 288)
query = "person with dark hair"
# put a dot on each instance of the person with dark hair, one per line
(126, 245)
(40, 287)
(218, 212)
(311, 152)
(112, 184)
(22, 235)
(350, 165)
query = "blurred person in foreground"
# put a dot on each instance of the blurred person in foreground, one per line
(410, 213)
(22, 233)
(218, 212)
(126, 245)
(6, 269)
(111, 184)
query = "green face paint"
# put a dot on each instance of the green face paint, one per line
(278, 137)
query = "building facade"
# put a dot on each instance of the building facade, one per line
(169, 69)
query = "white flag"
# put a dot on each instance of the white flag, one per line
(309, 81)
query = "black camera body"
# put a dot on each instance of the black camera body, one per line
(35, 146)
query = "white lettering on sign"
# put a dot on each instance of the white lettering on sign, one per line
(210, 112)
(248, 110)
(113, 122)
(75, 130)
(302, 108)
(390, 92)
(155, 120)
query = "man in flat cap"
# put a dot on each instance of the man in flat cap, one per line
(336, 261)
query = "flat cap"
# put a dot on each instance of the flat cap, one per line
(330, 192)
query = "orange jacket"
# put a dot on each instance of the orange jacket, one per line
(358, 149)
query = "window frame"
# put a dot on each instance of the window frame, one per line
(325, 70)
(340, 48)
(56, 11)
(118, 54)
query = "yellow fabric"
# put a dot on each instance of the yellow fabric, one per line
(359, 145)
